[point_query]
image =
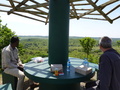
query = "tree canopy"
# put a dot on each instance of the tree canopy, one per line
(5, 35)
(87, 43)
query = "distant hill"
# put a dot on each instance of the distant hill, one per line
(74, 37)
(71, 37)
(36, 37)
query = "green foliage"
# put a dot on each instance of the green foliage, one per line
(33, 47)
(87, 43)
(21, 50)
(118, 42)
(38, 47)
(5, 35)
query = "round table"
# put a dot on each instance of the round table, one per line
(40, 72)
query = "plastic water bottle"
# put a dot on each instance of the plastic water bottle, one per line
(68, 65)
(85, 63)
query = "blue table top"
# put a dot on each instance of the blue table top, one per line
(40, 72)
(6, 86)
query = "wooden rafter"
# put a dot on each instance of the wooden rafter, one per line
(78, 9)
(47, 19)
(96, 1)
(83, 4)
(5, 5)
(28, 17)
(94, 18)
(86, 13)
(18, 6)
(82, 9)
(75, 13)
(113, 9)
(75, 0)
(108, 3)
(116, 18)
(3, 11)
(12, 4)
(100, 11)
(35, 8)
(90, 14)
(33, 13)
(39, 3)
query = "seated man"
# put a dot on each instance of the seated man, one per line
(109, 65)
(11, 64)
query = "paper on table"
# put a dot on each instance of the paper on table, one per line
(37, 59)
(83, 69)
(58, 66)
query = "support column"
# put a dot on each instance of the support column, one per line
(58, 31)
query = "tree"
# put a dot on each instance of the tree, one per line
(118, 43)
(5, 35)
(87, 44)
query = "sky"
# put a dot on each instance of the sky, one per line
(81, 27)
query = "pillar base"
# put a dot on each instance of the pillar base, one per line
(45, 86)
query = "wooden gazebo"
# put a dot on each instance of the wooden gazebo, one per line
(57, 13)
(39, 9)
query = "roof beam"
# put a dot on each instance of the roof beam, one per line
(18, 6)
(72, 17)
(47, 19)
(96, 1)
(94, 18)
(100, 11)
(113, 9)
(91, 13)
(35, 6)
(108, 3)
(34, 12)
(75, 0)
(116, 18)
(28, 17)
(32, 8)
(81, 4)
(39, 3)
(76, 10)
(82, 9)
(86, 13)
(5, 5)
(3, 11)
(12, 4)
(75, 13)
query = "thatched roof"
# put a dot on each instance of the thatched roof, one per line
(107, 10)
